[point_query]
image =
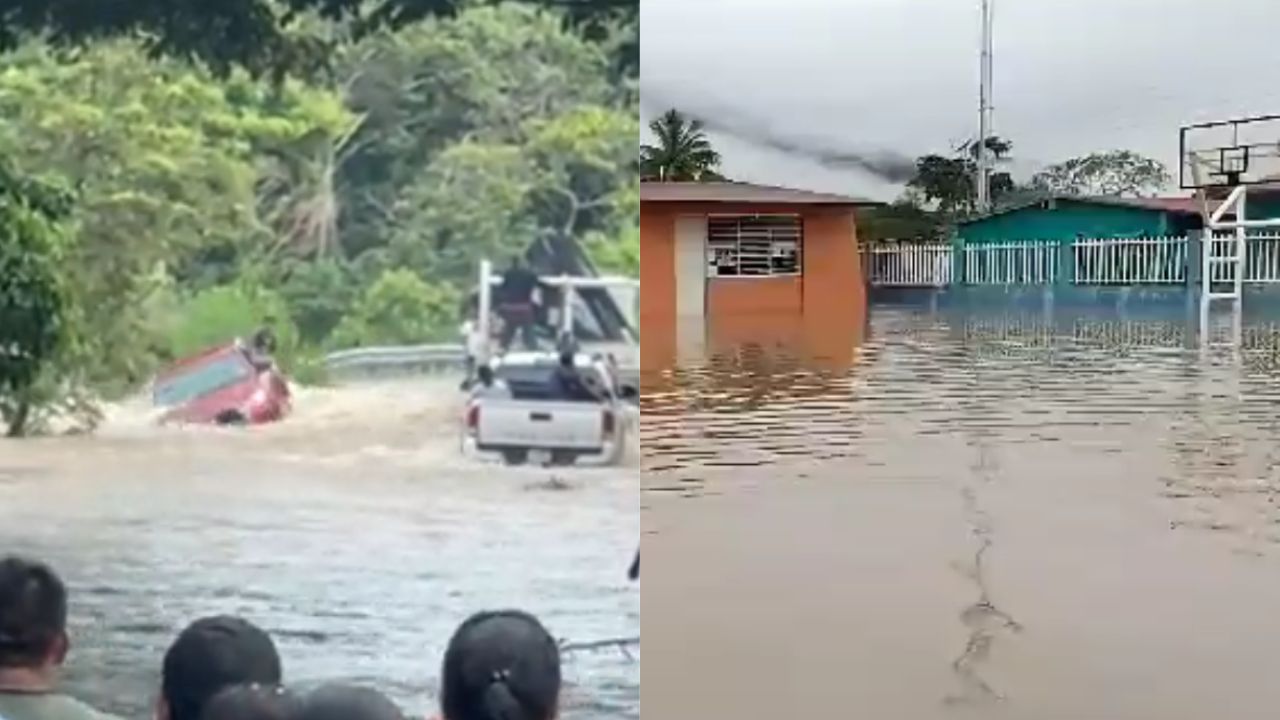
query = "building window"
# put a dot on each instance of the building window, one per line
(755, 246)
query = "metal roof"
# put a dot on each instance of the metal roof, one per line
(738, 192)
(1174, 205)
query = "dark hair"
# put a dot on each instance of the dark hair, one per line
(484, 374)
(252, 702)
(348, 702)
(211, 655)
(501, 666)
(33, 612)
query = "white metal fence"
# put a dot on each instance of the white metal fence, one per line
(1011, 263)
(1262, 258)
(1091, 261)
(909, 264)
(1129, 261)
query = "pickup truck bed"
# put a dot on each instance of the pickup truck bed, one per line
(560, 431)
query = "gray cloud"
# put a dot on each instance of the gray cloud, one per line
(802, 92)
(887, 165)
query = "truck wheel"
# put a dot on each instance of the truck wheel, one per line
(515, 457)
(229, 417)
(563, 458)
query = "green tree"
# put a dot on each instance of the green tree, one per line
(584, 161)
(165, 159)
(319, 293)
(474, 79)
(470, 203)
(34, 323)
(948, 182)
(400, 309)
(682, 152)
(261, 35)
(1117, 173)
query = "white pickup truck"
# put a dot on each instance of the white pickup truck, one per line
(537, 424)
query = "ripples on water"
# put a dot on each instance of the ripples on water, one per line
(1011, 472)
(353, 532)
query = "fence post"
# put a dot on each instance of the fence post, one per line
(957, 260)
(1195, 239)
(1066, 262)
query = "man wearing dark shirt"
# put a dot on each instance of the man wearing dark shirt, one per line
(515, 304)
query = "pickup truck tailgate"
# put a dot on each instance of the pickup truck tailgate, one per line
(540, 425)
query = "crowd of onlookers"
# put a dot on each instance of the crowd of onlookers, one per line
(498, 666)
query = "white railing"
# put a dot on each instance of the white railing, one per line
(1091, 261)
(1129, 261)
(1011, 263)
(1262, 258)
(910, 264)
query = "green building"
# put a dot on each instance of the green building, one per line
(1068, 217)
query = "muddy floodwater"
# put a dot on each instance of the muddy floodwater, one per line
(971, 516)
(354, 532)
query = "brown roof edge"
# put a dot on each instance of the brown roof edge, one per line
(738, 192)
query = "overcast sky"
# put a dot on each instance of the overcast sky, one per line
(900, 76)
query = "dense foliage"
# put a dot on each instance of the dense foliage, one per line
(34, 318)
(264, 35)
(1119, 173)
(206, 200)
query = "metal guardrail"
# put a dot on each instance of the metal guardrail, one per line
(381, 359)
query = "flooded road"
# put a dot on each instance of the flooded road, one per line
(981, 517)
(354, 532)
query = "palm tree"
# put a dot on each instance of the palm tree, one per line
(683, 152)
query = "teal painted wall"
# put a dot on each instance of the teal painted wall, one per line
(1067, 220)
(1263, 208)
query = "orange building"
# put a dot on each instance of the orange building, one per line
(728, 259)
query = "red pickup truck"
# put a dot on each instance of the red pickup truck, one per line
(224, 385)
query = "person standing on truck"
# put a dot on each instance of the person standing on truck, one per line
(516, 305)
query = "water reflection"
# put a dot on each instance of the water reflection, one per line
(1014, 515)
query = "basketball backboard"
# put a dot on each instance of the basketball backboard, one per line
(1229, 153)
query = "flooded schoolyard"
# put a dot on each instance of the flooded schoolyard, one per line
(969, 515)
(354, 532)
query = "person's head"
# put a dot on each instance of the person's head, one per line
(336, 701)
(252, 702)
(501, 666)
(566, 359)
(33, 617)
(484, 374)
(211, 655)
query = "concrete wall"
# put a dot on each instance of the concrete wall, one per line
(829, 297)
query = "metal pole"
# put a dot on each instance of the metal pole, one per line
(1241, 251)
(984, 110)
(484, 311)
(566, 307)
(1206, 284)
